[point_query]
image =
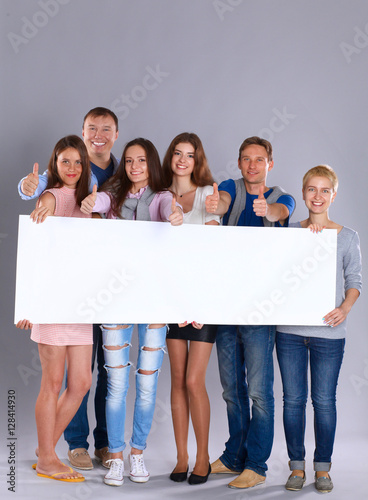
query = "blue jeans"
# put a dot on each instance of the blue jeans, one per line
(325, 359)
(246, 372)
(118, 367)
(76, 434)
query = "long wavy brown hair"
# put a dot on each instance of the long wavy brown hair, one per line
(119, 185)
(201, 175)
(53, 178)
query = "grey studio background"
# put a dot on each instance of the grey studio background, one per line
(292, 71)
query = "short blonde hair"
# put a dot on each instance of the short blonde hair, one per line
(322, 171)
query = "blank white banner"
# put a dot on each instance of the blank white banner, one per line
(72, 270)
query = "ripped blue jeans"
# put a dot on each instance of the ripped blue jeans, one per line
(118, 367)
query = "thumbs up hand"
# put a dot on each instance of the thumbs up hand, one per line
(212, 200)
(89, 201)
(260, 206)
(30, 183)
(176, 217)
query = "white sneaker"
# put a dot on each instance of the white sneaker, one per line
(115, 476)
(138, 471)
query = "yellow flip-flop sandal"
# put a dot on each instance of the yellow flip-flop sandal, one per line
(65, 479)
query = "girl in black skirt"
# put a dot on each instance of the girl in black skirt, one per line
(188, 176)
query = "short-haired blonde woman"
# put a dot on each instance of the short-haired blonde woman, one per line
(322, 347)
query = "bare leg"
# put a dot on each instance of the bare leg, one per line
(198, 358)
(78, 358)
(321, 473)
(52, 361)
(297, 472)
(79, 381)
(178, 354)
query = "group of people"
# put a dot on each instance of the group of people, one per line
(84, 179)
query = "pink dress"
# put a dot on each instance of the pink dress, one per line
(65, 334)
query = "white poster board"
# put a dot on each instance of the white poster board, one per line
(72, 270)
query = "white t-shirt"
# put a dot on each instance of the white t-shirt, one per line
(198, 214)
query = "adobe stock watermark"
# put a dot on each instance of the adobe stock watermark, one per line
(26, 372)
(223, 7)
(277, 123)
(84, 491)
(162, 413)
(359, 42)
(127, 102)
(293, 278)
(231, 171)
(358, 381)
(30, 27)
(97, 302)
(35, 370)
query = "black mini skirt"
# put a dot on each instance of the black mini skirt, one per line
(206, 334)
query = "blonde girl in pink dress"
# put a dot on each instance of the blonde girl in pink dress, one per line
(68, 179)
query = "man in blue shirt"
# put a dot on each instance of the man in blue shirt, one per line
(100, 131)
(245, 351)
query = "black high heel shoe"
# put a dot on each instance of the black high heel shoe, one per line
(196, 479)
(179, 477)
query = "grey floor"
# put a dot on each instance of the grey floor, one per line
(349, 482)
(349, 468)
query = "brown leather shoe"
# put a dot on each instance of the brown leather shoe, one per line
(219, 468)
(247, 479)
(102, 456)
(80, 459)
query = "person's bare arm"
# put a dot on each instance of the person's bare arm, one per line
(45, 207)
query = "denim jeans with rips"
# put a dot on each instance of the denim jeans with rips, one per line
(118, 366)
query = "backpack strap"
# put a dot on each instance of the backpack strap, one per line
(239, 202)
(272, 198)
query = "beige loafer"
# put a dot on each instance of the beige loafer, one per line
(80, 459)
(219, 468)
(247, 479)
(103, 456)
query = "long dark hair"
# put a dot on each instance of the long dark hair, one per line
(201, 175)
(53, 178)
(119, 184)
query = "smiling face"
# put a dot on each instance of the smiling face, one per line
(69, 167)
(136, 166)
(254, 164)
(99, 134)
(182, 162)
(318, 194)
